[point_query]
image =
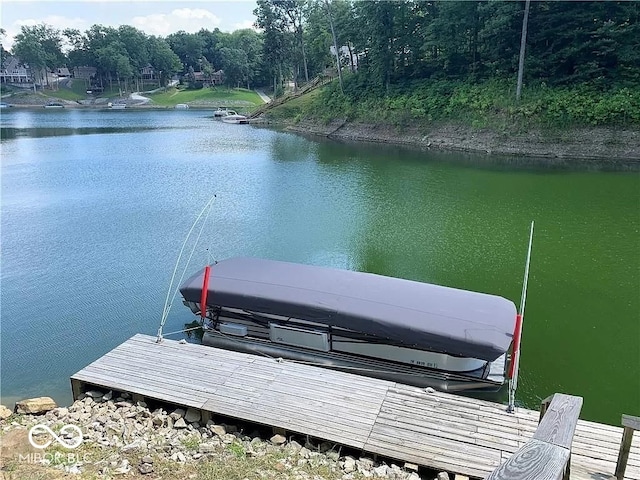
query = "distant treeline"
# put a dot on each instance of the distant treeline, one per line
(385, 43)
(127, 55)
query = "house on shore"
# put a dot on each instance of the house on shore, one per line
(14, 71)
(85, 73)
(148, 73)
(211, 80)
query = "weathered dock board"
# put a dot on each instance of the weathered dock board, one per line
(437, 430)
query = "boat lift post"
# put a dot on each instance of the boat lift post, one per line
(514, 366)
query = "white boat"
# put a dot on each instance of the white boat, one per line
(400, 330)
(182, 106)
(117, 105)
(221, 112)
(54, 105)
(233, 117)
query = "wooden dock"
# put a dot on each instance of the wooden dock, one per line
(436, 430)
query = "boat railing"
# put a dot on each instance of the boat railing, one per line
(548, 454)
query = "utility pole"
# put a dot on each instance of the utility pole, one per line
(523, 43)
(335, 45)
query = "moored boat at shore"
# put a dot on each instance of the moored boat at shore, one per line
(233, 117)
(401, 330)
(221, 112)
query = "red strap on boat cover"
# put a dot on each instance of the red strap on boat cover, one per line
(205, 290)
(516, 345)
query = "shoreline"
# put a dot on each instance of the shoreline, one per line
(124, 437)
(616, 147)
(104, 106)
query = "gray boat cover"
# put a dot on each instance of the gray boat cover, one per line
(414, 314)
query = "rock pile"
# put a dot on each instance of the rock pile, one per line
(130, 432)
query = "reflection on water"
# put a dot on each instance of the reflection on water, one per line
(477, 160)
(96, 204)
(12, 133)
(194, 331)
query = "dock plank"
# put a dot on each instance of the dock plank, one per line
(438, 430)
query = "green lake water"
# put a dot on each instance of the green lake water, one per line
(95, 206)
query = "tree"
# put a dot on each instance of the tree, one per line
(212, 42)
(40, 47)
(250, 43)
(3, 53)
(292, 11)
(134, 42)
(78, 55)
(454, 37)
(110, 58)
(162, 59)
(378, 23)
(335, 44)
(235, 65)
(584, 42)
(277, 41)
(189, 47)
(100, 43)
(499, 37)
(318, 38)
(523, 44)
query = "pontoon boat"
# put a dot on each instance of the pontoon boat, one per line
(400, 330)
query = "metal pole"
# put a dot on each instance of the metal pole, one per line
(523, 298)
(517, 337)
(169, 299)
(523, 44)
(335, 45)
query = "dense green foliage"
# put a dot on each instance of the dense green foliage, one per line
(238, 54)
(567, 43)
(410, 59)
(490, 103)
(438, 60)
(40, 46)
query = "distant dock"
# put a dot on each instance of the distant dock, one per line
(435, 430)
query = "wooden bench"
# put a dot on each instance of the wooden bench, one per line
(630, 424)
(547, 455)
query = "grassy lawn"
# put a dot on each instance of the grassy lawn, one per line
(112, 92)
(295, 107)
(78, 91)
(220, 96)
(7, 89)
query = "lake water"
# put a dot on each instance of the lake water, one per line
(96, 204)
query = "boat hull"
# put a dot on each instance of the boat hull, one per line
(376, 368)
(236, 121)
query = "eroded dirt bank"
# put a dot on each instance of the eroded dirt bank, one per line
(609, 145)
